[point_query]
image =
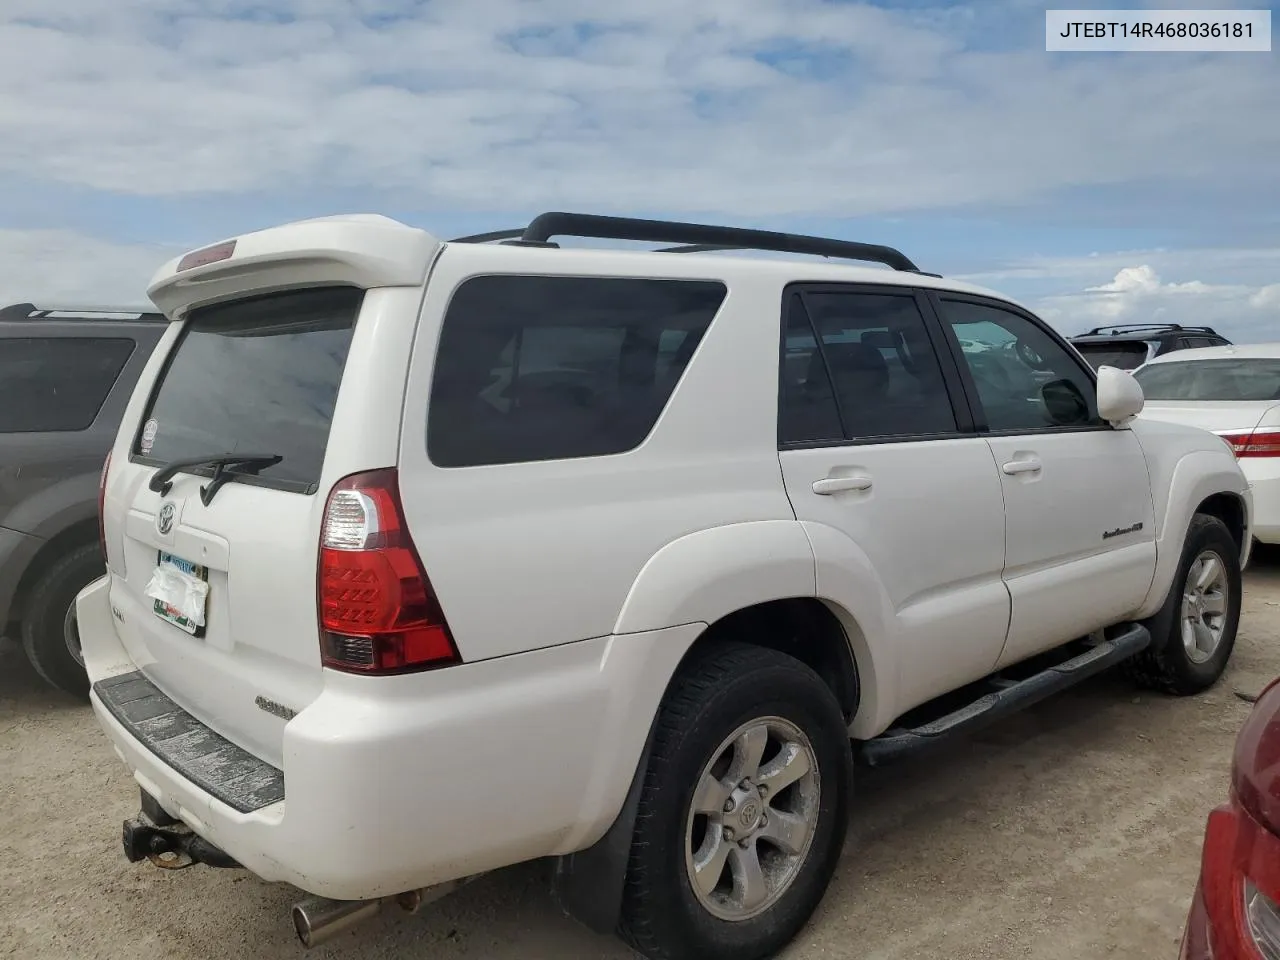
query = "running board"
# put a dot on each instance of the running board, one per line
(1007, 697)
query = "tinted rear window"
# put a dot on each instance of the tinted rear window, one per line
(547, 368)
(1229, 379)
(255, 376)
(1126, 356)
(55, 384)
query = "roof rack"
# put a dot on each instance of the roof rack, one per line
(30, 311)
(1133, 327)
(692, 237)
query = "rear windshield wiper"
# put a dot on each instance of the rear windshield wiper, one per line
(162, 480)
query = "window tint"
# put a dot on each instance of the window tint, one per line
(1125, 355)
(546, 368)
(57, 383)
(256, 376)
(877, 353)
(808, 405)
(1233, 378)
(1025, 379)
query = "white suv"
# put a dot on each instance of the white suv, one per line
(428, 558)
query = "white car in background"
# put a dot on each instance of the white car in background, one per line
(1233, 391)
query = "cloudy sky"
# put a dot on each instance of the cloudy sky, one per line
(1095, 187)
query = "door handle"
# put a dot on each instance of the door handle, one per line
(1015, 467)
(829, 485)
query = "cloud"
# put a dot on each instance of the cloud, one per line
(1243, 312)
(773, 108)
(66, 268)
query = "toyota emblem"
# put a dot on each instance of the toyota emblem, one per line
(164, 519)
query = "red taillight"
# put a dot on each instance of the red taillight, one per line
(1240, 888)
(1254, 443)
(378, 612)
(102, 505)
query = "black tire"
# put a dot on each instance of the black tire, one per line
(44, 627)
(723, 687)
(1166, 665)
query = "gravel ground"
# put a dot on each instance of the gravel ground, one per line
(1071, 831)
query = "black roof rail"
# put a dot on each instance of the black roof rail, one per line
(491, 235)
(30, 311)
(1134, 327)
(547, 225)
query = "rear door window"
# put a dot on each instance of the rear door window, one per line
(255, 376)
(1231, 379)
(548, 368)
(57, 384)
(869, 372)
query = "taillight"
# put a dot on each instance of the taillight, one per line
(1240, 883)
(102, 505)
(1254, 443)
(378, 612)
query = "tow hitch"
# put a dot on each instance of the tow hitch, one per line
(168, 843)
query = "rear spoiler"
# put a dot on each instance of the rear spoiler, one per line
(361, 250)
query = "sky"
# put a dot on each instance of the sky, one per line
(1095, 188)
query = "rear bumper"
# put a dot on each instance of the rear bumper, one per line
(395, 783)
(1266, 505)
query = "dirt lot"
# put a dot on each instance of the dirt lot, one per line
(1072, 831)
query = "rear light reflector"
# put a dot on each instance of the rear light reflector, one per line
(102, 506)
(378, 611)
(1264, 921)
(1254, 443)
(1240, 882)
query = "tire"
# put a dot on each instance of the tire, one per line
(1171, 664)
(727, 688)
(50, 614)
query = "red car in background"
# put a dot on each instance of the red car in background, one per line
(1236, 911)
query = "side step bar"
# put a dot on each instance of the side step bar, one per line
(898, 742)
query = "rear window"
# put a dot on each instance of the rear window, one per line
(57, 384)
(548, 368)
(255, 376)
(1228, 379)
(1126, 356)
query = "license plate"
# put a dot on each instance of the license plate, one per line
(167, 611)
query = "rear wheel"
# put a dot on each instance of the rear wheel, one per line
(1194, 633)
(50, 635)
(744, 808)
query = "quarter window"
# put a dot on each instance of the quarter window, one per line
(55, 384)
(548, 368)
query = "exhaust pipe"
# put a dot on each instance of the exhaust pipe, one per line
(319, 919)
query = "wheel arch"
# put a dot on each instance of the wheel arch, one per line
(79, 534)
(588, 884)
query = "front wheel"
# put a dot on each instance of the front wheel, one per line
(1194, 633)
(743, 811)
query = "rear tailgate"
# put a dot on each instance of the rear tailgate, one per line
(250, 376)
(1125, 354)
(295, 359)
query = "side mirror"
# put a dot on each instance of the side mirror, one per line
(1119, 396)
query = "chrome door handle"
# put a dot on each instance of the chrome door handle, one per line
(829, 485)
(1015, 467)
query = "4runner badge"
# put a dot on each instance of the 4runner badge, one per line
(164, 519)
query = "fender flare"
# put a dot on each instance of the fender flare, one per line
(1195, 478)
(706, 575)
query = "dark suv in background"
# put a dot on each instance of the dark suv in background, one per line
(1130, 345)
(65, 379)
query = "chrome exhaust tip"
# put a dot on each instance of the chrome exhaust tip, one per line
(318, 919)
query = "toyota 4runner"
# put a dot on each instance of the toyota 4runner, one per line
(426, 558)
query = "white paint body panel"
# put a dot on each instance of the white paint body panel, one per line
(573, 588)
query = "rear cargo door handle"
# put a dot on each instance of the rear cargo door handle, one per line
(1015, 467)
(829, 485)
